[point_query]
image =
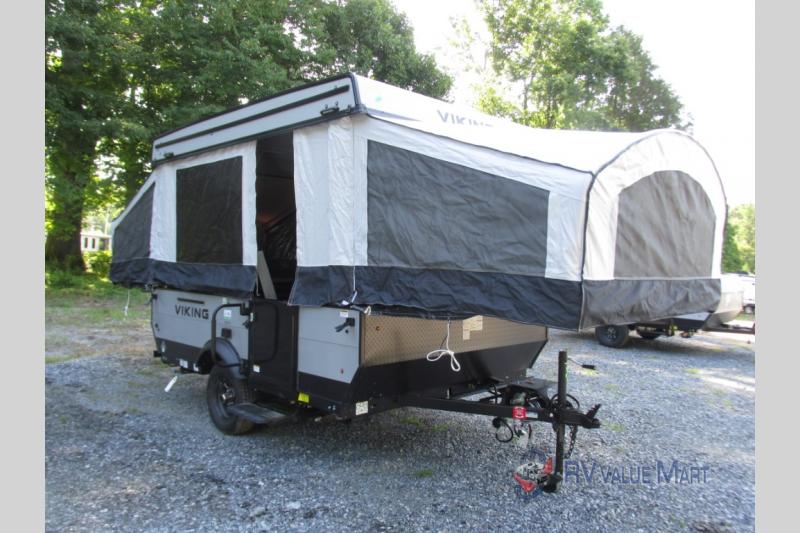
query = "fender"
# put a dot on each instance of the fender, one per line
(226, 355)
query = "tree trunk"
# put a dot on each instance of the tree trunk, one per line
(73, 113)
(65, 252)
(62, 248)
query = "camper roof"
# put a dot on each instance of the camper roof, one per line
(415, 206)
(349, 94)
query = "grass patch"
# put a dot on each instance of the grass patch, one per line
(693, 371)
(65, 283)
(612, 387)
(63, 289)
(87, 299)
(85, 316)
(55, 359)
(421, 423)
(412, 420)
(151, 370)
(616, 427)
(727, 404)
(723, 399)
(424, 473)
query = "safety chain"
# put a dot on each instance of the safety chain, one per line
(573, 434)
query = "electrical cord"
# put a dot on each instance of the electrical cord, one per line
(435, 355)
(587, 367)
(503, 424)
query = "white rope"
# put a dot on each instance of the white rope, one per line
(350, 301)
(435, 355)
(128, 303)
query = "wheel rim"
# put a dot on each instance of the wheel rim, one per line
(611, 333)
(226, 395)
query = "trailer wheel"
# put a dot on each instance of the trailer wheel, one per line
(223, 390)
(612, 336)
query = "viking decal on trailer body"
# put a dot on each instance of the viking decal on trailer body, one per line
(447, 116)
(191, 312)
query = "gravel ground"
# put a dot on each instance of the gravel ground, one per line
(123, 455)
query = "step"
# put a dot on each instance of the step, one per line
(255, 413)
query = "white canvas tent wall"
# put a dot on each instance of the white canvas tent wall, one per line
(415, 206)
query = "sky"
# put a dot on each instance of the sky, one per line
(705, 49)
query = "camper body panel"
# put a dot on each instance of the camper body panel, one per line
(328, 343)
(181, 324)
(332, 359)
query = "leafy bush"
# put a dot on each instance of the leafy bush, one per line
(62, 279)
(99, 262)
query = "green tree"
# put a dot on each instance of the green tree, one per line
(635, 99)
(739, 247)
(371, 38)
(194, 59)
(743, 218)
(84, 48)
(119, 73)
(573, 70)
(191, 59)
(731, 256)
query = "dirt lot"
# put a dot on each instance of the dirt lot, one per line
(123, 455)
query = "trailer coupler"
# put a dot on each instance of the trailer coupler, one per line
(525, 401)
(549, 477)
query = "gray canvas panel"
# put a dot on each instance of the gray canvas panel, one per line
(444, 293)
(132, 234)
(665, 228)
(231, 280)
(428, 213)
(618, 302)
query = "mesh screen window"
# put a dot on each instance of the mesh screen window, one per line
(132, 236)
(209, 213)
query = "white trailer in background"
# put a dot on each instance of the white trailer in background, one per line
(731, 305)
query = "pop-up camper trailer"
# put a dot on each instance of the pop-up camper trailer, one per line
(348, 247)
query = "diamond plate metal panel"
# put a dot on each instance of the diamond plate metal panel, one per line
(390, 339)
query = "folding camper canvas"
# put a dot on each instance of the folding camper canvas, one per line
(348, 246)
(730, 306)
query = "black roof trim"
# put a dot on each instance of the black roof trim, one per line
(336, 90)
(261, 135)
(265, 98)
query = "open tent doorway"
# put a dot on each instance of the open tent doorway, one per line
(276, 228)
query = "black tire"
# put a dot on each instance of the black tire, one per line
(648, 335)
(225, 389)
(749, 309)
(612, 336)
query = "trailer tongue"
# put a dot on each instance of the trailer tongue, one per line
(526, 401)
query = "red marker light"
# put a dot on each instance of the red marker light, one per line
(518, 413)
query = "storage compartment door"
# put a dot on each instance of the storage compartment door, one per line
(273, 348)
